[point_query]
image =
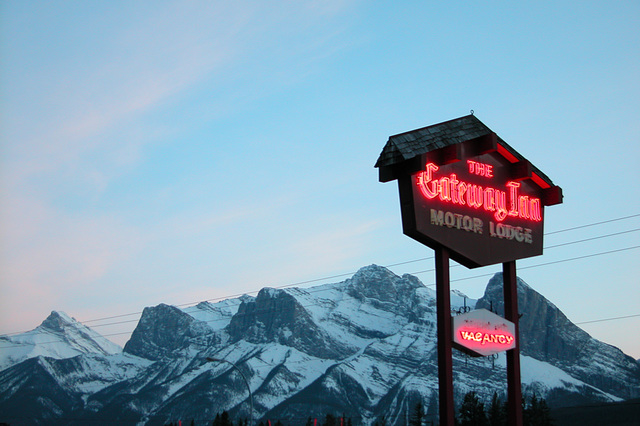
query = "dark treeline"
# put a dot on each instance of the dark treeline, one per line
(472, 412)
(535, 412)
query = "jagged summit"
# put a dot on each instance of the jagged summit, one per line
(379, 283)
(364, 347)
(57, 321)
(164, 330)
(59, 336)
(549, 336)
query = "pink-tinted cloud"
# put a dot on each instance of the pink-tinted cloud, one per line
(81, 123)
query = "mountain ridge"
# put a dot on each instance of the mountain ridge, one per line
(364, 347)
(58, 336)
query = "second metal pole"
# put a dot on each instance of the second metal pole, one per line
(445, 338)
(514, 384)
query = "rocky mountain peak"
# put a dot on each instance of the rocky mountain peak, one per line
(163, 329)
(543, 327)
(548, 335)
(379, 283)
(57, 322)
(276, 315)
(364, 347)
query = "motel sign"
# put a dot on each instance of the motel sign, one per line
(468, 195)
(468, 191)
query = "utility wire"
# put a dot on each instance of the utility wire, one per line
(271, 310)
(351, 273)
(412, 273)
(592, 224)
(530, 266)
(309, 305)
(386, 266)
(607, 319)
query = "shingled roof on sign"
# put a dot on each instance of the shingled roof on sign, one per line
(409, 145)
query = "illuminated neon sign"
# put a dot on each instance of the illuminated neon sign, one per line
(483, 333)
(450, 189)
(484, 337)
(486, 208)
(463, 188)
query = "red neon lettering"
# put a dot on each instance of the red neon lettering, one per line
(474, 196)
(501, 205)
(523, 206)
(445, 187)
(480, 169)
(426, 177)
(513, 192)
(484, 337)
(452, 190)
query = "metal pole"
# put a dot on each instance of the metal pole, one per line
(514, 384)
(445, 338)
(246, 382)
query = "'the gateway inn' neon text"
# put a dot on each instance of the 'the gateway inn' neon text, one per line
(452, 190)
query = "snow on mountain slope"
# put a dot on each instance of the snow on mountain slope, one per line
(365, 347)
(59, 336)
(548, 335)
(217, 315)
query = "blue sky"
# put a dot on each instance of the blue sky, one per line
(175, 151)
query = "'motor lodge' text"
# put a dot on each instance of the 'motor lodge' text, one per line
(475, 225)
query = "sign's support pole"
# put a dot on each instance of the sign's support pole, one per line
(445, 337)
(514, 385)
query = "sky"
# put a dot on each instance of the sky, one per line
(181, 151)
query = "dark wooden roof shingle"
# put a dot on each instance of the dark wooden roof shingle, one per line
(405, 146)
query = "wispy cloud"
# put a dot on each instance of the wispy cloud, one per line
(76, 125)
(99, 106)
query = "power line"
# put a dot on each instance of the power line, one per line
(428, 285)
(592, 224)
(352, 273)
(607, 319)
(347, 274)
(531, 266)
(386, 266)
(593, 238)
(413, 273)
(255, 291)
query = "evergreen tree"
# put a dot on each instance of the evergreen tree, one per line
(537, 413)
(472, 411)
(497, 415)
(417, 415)
(330, 420)
(225, 420)
(216, 420)
(222, 419)
(544, 413)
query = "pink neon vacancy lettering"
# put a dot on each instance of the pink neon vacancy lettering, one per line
(483, 337)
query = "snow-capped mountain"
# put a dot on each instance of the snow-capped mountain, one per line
(59, 336)
(364, 347)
